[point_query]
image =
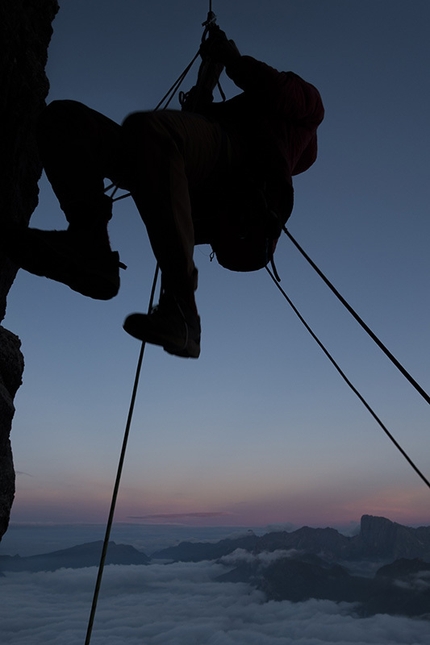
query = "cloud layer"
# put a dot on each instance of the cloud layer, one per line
(179, 604)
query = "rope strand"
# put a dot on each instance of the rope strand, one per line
(348, 382)
(173, 89)
(119, 472)
(360, 321)
(166, 101)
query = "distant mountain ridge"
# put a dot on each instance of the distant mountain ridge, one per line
(379, 539)
(198, 551)
(306, 563)
(77, 557)
(400, 588)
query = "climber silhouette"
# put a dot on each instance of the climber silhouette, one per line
(216, 173)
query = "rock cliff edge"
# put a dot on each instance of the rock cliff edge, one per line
(25, 33)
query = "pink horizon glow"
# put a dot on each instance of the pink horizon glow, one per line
(298, 512)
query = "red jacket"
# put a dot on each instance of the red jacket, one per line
(272, 125)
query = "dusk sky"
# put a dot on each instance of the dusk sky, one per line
(261, 429)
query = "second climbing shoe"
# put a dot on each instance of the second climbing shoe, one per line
(89, 268)
(171, 324)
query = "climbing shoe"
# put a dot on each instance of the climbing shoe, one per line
(171, 324)
(87, 266)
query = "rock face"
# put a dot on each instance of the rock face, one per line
(380, 538)
(11, 368)
(25, 32)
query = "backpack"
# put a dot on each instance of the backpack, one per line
(245, 232)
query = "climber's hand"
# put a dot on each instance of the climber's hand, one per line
(218, 48)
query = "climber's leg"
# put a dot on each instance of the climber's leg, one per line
(79, 148)
(169, 154)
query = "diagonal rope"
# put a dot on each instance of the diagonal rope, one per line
(165, 100)
(119, 472)
(360, 321)
(347, 380)
(172, 91)
(162, 105)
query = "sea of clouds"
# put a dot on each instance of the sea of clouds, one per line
(179, 604)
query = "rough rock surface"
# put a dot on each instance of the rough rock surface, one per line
(25, 32)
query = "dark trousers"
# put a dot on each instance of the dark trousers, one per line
(163, 158)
